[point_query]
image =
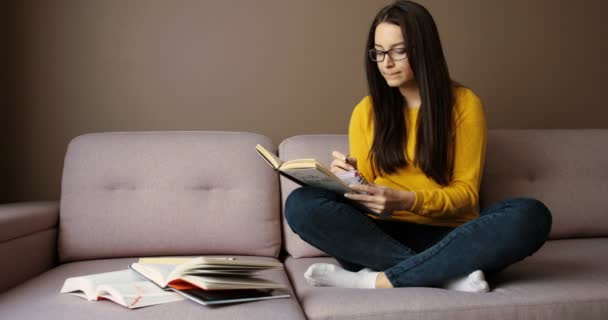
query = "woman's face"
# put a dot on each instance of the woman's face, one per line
(397, 73)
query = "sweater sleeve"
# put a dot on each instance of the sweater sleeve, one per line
(461, 195)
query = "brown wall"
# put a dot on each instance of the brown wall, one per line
(277, 67)
(3, 101)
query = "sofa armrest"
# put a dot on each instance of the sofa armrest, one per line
(28, 240)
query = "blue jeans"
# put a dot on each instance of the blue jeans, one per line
(413, 255)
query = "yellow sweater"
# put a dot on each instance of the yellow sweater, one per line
(437, 205)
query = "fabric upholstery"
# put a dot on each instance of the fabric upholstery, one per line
(39, 298)
(168, 193)
(26, 257)
(566, 169)
(306, 146)
(28, 240)
(24, 218)
(566, 279)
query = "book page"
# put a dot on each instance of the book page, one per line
(161, 274)
(164, 260)
(301, 164)
(234, 262)
(227, 282)
(351, 177)
(187, 260)
(80, 287)
(317, 178)
(137, 294)
(85, 286)
(272, 159)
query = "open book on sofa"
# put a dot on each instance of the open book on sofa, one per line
(215, 280)
(123, 287)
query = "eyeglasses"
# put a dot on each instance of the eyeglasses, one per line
(395, 54)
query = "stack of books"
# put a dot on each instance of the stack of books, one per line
(205, 280)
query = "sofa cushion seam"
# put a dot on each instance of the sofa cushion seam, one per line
(27, 235)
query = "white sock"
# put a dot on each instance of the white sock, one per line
(325, 274)
(474, 282)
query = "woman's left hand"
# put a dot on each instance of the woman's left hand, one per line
(381, 200)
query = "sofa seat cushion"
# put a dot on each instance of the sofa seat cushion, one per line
(566, 279)
(39, 298)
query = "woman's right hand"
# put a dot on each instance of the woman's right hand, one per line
(342, 163)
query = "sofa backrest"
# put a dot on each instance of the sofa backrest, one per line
(306, 146)
(168, 193)
(566, 169)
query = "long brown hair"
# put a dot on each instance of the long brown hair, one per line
(434, 144)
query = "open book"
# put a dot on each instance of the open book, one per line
(211, 280)
(310, 172)
(123, 287)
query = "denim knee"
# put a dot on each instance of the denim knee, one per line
(298, 207)
(533, 216)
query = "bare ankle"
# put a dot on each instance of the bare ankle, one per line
(382, 281)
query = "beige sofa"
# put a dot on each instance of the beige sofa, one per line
(127, 195)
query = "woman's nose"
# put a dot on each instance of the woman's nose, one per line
(388, 61)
